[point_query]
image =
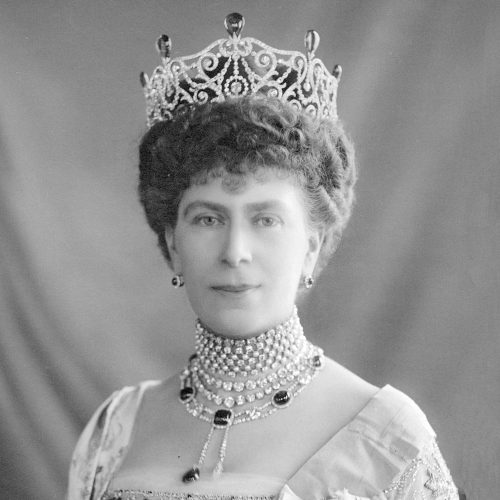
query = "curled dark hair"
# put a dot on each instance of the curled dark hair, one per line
(238, 137)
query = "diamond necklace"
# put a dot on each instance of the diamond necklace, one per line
(287, 364)
(249, 357)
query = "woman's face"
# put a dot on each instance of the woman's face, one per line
(243, 248)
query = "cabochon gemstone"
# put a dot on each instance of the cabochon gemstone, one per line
(186, 394)
(281, 399)
(222, 418)
(311, 41)
(337, 71)
(234, 23)
(164, 46)
(191, 475)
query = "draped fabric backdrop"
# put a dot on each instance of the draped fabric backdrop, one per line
(411, 297)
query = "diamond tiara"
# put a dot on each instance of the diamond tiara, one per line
(235, 67)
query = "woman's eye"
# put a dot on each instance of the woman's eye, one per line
(267, 221)
(207, 220)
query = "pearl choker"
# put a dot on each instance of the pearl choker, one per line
(256, 376)
(244, 357)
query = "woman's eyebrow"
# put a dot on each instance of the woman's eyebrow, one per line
(218, 207)
(265, 205)
(210, 205)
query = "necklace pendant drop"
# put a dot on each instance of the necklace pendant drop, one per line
(191, 475)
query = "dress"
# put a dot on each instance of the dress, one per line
(387, 452)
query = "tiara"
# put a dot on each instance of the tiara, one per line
(235, 67)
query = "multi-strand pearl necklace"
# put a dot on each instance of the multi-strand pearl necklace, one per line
(232, 381)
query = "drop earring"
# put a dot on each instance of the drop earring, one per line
(308, 281)
(178, 281)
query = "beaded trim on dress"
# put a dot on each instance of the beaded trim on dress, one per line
(165, 495)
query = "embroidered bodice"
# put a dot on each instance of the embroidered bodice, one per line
(128, 486)
(387, 452)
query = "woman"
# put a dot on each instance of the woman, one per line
(247, 177)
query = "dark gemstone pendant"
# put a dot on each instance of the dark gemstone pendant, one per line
(223, 418)
(234, 23)
(282, 399)
(191, 475)
(164, 46)
(316, 361)
(186, 394)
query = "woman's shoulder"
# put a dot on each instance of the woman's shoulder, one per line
(386, 446)
(393, 439)
(378, 413)
(120, 408)
(342, 384)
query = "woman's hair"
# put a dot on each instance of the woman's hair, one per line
(238, 137)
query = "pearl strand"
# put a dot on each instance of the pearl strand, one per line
(249, 357)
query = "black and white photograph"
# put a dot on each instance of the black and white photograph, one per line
(249, 250)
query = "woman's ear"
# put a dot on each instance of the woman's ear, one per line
(172, 251)
(314, 244)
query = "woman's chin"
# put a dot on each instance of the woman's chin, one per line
(239, 323)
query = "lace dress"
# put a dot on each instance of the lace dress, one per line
(387, 452)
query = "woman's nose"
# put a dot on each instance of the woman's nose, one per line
(237, 248)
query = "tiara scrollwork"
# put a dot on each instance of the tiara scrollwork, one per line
(234, 67)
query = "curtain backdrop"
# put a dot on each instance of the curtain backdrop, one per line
(411, 297)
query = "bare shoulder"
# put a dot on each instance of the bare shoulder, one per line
(159, 420)
(161, 395)
(341, 393)
(339, 378)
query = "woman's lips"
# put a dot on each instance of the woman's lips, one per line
(235, 289)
